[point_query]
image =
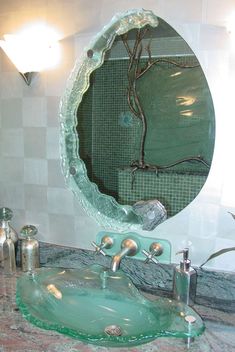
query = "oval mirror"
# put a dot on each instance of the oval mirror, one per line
(137, 124)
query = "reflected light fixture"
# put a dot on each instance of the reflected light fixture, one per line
(32, 50)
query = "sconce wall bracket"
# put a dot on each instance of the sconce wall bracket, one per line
(28, 76)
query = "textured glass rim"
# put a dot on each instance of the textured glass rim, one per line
(103, 208)
(101, 339)
(116, 341)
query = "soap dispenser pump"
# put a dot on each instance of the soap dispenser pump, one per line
(185, 280)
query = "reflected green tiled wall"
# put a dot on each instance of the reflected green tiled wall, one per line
(112, 135)
(113, 143)
(175, 190)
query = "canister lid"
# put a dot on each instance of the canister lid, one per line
(6, 214)
(28, 231)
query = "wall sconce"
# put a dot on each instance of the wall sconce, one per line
(33, 50)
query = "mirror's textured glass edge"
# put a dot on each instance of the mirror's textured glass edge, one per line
(103, 208)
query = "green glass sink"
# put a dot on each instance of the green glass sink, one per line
(98, 306)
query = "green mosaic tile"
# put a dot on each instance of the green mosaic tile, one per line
(112, 135)
(174, 190)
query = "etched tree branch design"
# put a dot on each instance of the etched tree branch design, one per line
(136, 70)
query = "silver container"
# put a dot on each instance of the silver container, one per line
(29, 248)
(6, 215)
(185, 280)
(9, 260)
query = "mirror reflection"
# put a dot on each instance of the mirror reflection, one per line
(145, 124)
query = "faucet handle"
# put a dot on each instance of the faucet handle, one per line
(106, 242)
(98, 248)
(154, 251)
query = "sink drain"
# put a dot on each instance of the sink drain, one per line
(113, 330)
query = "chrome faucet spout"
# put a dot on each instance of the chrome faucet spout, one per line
(116, 260)
(129, 248)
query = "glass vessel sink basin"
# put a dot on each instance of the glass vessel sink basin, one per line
(98, 306)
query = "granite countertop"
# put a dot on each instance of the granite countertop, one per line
(18, 335)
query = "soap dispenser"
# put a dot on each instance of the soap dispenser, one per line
(185, 280)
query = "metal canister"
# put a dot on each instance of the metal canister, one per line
(6, 215)
(29, 248)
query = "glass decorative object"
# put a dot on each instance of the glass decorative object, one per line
(104, 208)
(101, 307)
(107, 174)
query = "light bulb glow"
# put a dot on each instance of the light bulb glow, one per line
(34, 49)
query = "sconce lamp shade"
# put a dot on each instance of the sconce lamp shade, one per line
(28, 76)
(30, 54)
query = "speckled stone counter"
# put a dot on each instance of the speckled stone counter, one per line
(18, 335)
(214, 289)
